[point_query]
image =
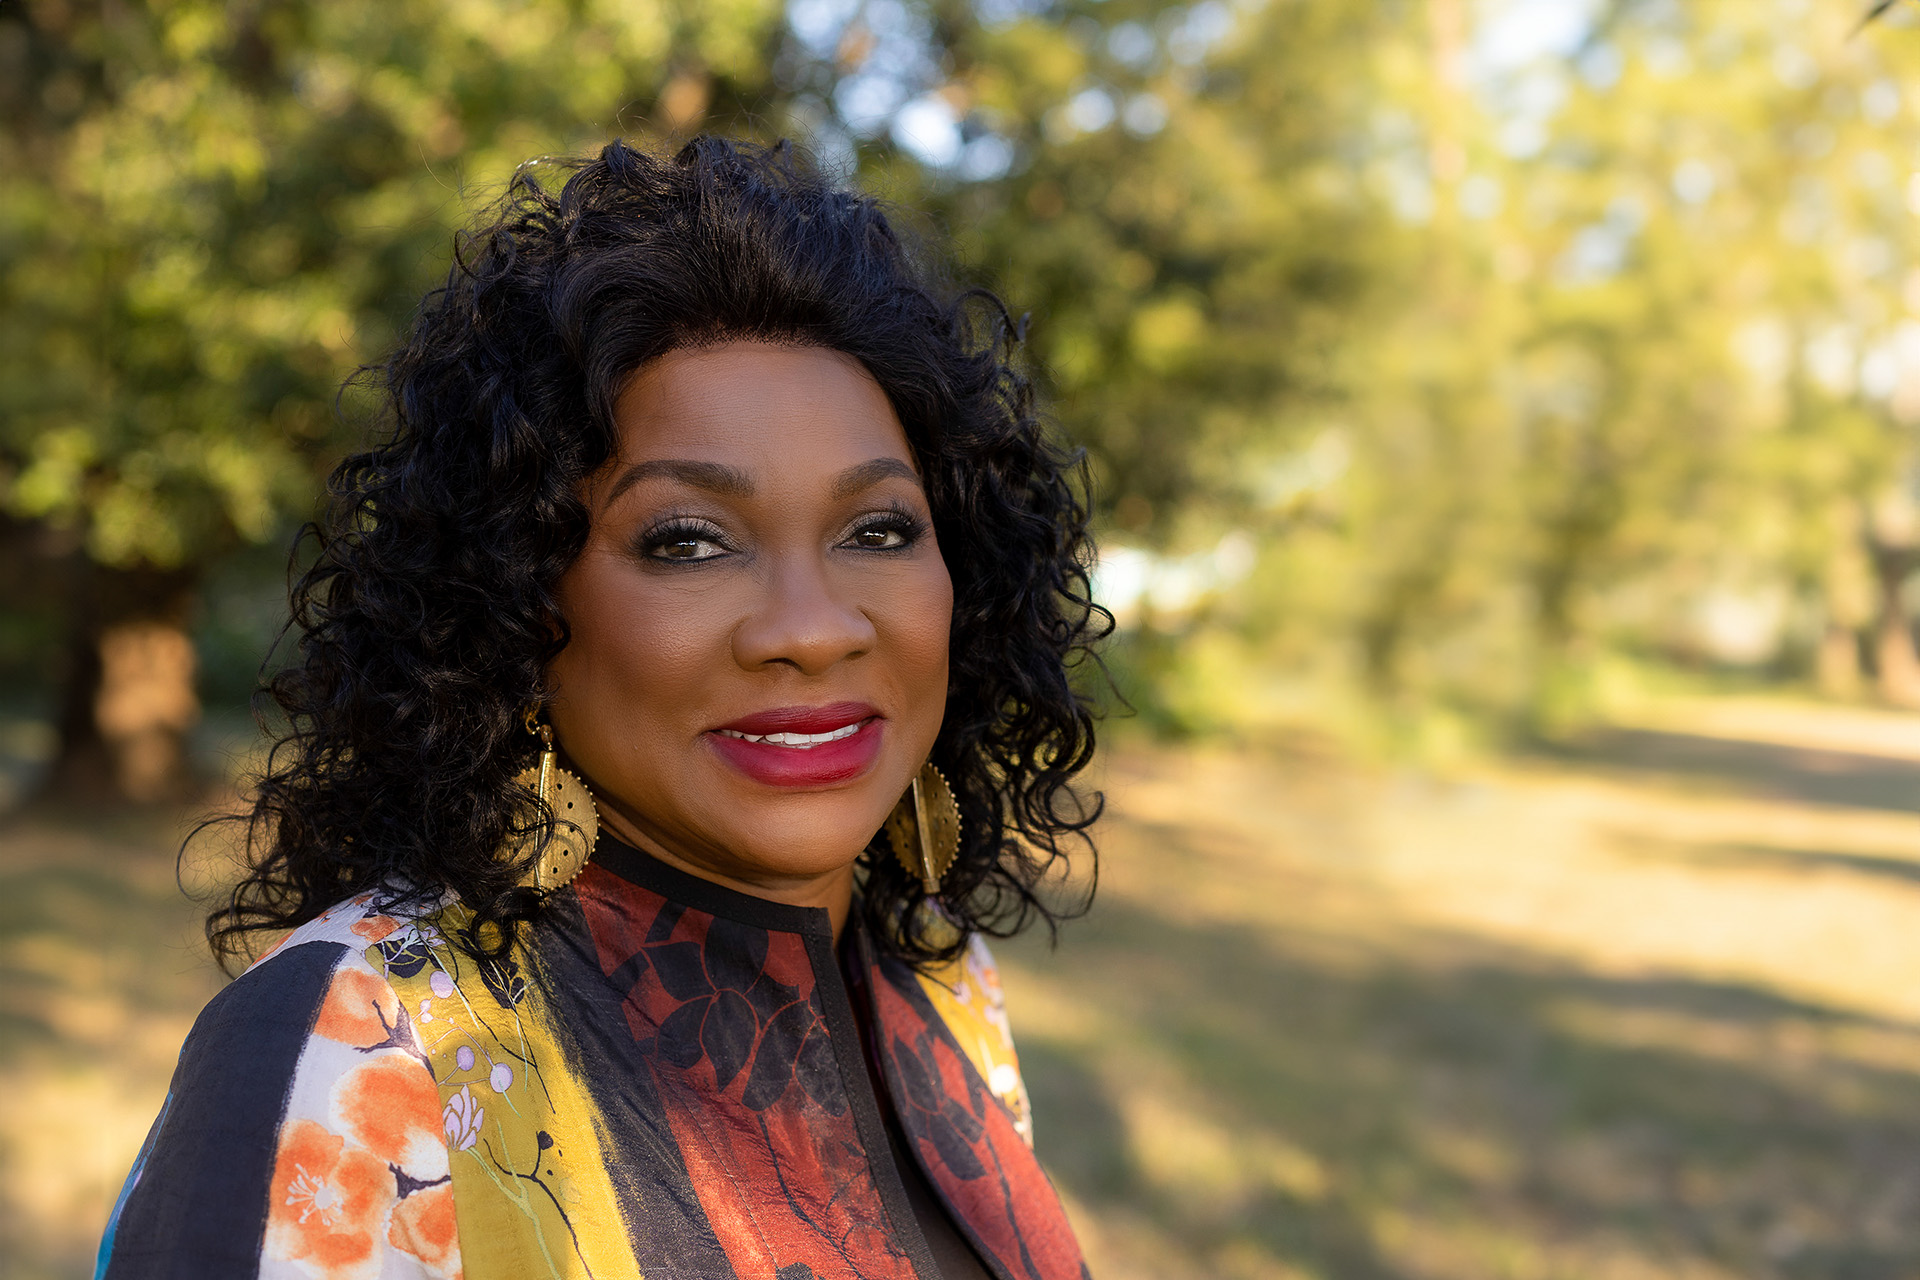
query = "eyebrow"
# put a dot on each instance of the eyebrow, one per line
(714, 477)
(867, 474)
(732, 482)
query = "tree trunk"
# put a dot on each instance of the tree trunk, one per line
(1837, 665)
(1850, 597)
(127, 697)
(1899, 665)
(1896, 663)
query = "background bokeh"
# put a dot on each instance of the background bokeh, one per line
(1503, 416)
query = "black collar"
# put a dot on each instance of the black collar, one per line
(638, 867)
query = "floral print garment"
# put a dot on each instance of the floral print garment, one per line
(667, 1081)
(302, 1135)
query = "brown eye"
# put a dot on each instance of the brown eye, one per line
(684, 543)
(886, 531)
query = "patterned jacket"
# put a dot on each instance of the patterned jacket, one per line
(665, 1080)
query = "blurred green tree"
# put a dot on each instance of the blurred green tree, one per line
(214, 211)
(1637, 369)
(1717, 223)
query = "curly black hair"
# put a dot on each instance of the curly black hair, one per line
(427, 616)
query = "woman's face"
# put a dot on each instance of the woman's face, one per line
(758, 661)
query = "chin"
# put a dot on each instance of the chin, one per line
(804, 858)
(804, 835)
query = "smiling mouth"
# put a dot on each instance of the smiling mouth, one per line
(797, 741)
(803, 746)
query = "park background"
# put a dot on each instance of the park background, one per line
(1503, 417)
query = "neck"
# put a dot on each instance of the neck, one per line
(831, 891)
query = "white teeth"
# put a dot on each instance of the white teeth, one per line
(803, 741)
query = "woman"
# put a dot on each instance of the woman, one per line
(682, 692)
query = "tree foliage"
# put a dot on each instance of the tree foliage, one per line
(218, 210)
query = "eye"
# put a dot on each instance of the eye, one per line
(688, 549)
(684, 542)
(879, 539)
(886, 531)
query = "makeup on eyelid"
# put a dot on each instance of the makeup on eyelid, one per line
(897, 519)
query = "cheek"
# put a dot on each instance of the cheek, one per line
(630, 656)
(921, 618)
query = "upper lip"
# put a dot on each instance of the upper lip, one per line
(835, 715)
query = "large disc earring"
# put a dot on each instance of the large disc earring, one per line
(924, 828)
(576, 823)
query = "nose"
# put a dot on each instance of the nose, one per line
(802, 621)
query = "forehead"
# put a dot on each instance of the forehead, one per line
(759, 406)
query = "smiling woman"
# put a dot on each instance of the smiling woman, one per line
(683, 691)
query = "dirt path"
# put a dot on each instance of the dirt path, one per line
(1646, 1007)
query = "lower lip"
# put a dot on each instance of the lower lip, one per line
(821, 766)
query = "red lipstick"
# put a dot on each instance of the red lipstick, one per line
(801, 746)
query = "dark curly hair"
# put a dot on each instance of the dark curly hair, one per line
(427, 618)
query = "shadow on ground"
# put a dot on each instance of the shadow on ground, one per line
(1686, 1127)
(1774, 858)
(1808, 774)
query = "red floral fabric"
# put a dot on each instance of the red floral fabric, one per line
(729, 1020)
(968, 1142)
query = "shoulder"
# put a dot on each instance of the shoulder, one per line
(302, 1122)
(355, 923)
(969, 997)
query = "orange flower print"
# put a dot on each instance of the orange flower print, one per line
(329, 1204)
(375, 928)
(360, 1010)
(389, 1105)
(423, 1227)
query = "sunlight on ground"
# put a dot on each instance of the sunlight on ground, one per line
(1647, 1006)
(101, 973)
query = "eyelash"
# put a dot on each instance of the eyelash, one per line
(679, 529)
(895, 519)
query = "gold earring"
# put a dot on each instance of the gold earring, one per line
(924, 828)
(576, 823)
